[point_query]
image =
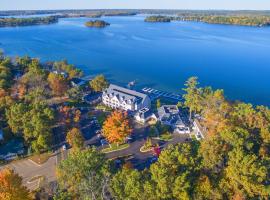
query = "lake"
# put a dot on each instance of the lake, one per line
(158, 55)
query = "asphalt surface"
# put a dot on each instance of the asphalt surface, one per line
(28, 169)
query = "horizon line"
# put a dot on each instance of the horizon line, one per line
(96, 9)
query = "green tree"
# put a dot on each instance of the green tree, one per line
(175, 171)
(158, 103)
(5, 76)
(84, 174)
(71, 71)
(204, 189)
(99, 83)
(34, 122)
(192, 97)
(128, 184)
(247, 174)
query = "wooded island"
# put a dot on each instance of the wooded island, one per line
(97, 24)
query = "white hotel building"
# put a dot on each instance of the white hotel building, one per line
(125, 99)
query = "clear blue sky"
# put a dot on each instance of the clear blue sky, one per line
(155, 4)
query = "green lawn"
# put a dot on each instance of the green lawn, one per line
(40, 158)
(114, 147)
(166, 137)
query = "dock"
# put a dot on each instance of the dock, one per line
(155, 94)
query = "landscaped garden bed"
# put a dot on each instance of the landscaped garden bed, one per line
(148, 146)
(114, 147)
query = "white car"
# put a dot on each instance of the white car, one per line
(10, 156)
(182, 130)
(64, 147)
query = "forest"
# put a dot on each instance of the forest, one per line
(232, 20)
(157, 18)
(12, 22)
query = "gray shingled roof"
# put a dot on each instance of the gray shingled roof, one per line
(124, 94)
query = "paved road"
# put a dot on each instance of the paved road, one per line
(27, 169)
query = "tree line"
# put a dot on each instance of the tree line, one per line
(233, 20)
(11, 22)
(253, 20)
(27, 88)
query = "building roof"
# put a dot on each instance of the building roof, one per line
(124, 94)
(144, 113)
(168, 110)
(198, 125)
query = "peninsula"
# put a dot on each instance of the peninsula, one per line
(158, 18)
(12, 22)
(97, 24)
(229, 20)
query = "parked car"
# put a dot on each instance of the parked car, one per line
(129, 139)
(104, 142)
(182, 130)
(10, 156)
(64, 147)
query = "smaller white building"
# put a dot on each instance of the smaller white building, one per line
(170, 115)
(144, 115)
(198, 130)
(61, 73)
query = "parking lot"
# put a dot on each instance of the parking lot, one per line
(28, 170)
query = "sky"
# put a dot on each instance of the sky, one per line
(135, 4)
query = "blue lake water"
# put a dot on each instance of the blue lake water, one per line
(159, 55)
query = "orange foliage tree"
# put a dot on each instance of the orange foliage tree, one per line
(11, 187)
(58, 84)
(75, 138)
(117, 127)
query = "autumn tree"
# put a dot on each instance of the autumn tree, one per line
(5, 102)
(33, 84)
(58, 84)
(11, 187)
(75, 138)
(215, 111)
(99, 83)
(77, 116)
(117, 127)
